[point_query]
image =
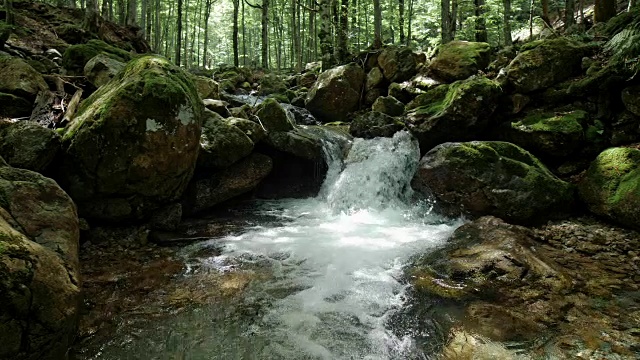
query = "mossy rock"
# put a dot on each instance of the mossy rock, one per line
(457, 60)
(76, 57)
(398, 63)
(631, 99)
(20, 79)
(336, 93)
(72, 34)
(374, 124)
(273, 116)
(134, 143)
(253, 130)
(14, 106)
(297, 142)
(548, 63)
(461, 113)
(388, 105)
(548, 134)
(493, 178)
(207, 87)
(221, 144)
(611, 187)
(272, 84)
(27, 145)
(101, 69)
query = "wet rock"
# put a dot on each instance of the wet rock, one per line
(307, 79)
(492, 178)
(546, 64)
(463, 345)
(461, 113)
(76, 57)
(548, 134)
(217, 106)
(458, 60)
(611, 187)
(39, 271)
(388, 105)
(297, 142)
(207, 88)
(336, 93)
(273, 116)
(236, 180)
(133, 144)
(405, 92)
(101, 69)
(19, 82)
(272, 84)
(241, 112)
(27, 145)
(221, 144)
(398, 63)
(252, 129)
(167, 218)
(374, 78)
(374, 124)
(631, 99)
(300, 115)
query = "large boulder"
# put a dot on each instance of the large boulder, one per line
(19, 86)
(207, 87)
(273, 116)
(27, 145)
(134, 143)
(398, 63)
(374, 124)
(457, 60)
(336, 93)
(548, 134)
(101, 69)
(388, 105)
(631, 99)
(238, 179)
(297, 142)
(221, 144)
(460, 113)
(492, 178)
(611, 187)
(546, 64)
(39, 271)
(75, 57)
(374, 78)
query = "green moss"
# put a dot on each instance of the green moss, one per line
(531, 45)
(567, 123)
(76, 56)
(479, 88)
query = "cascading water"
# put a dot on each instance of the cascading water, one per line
(334, 263)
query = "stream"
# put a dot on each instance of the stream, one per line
(334, 264)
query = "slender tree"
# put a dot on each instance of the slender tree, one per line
(481, 26)
(401, 20)
(178, 47)
(236, 6)
(507, 22)
(343, 32)
(377, 24)
(569, 13)
(132, 12)
(91, 17)
(446, 21)
(604, 10)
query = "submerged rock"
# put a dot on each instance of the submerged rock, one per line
(460, 113)
(134, 143)
(611, 186)
(39, 270)
(27, 145)
(336, 93)
(458, 60)
(492, 178)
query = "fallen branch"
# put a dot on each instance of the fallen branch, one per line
(72, 107)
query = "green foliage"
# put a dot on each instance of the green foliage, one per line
(624, 46)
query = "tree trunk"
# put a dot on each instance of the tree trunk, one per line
(569, 13)
(632, 3)
(507, 22)
(343, 32)
(178, 47)
(545, 12)
(401, 20)
(410, 23)
(531, 20)
(324, 35)
(143, 15)
(295, 34)
(10, 17)
(377, 25)
(132, 12)
(244, 40)
(446, 21)
(603, 10)
(156, 25)
(122, 12)
(236, 6)
(481, 27)
(105, 9)
(265, 34)
(91, 16)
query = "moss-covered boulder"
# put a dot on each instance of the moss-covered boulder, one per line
(457, 60)
(546, 64)
(101, 69)
(27, 145)
(240, 178)
(461, 113)
(492, 178)
(611, 187)
(388, 105)
(252, 129)
(548, 134)
(336, 93)
(398, 63)
(221, 144)
(374, 124)
(631, 99)
(76, 57)
(297, 142)
(39, 270)
(273, 116)
(134, 143)
(272, 84)
(207, 87)
(18, 80)
(374, 78)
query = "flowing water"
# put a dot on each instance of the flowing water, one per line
(334, 262)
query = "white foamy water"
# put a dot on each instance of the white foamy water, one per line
(336, 263)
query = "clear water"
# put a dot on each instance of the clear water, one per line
(335, 265)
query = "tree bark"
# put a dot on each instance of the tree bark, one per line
(343, 32)
(632, 3)
(604, 10)
(377, 25)
(236, 6)
(507, 22)
(178, 47)
(10, 17)
(324, 35)
(265, 34)
(446, 21)
(132, 12)
(91, 16)
(569, 13)
(545, 12)
(401, 20)
(481, 26)
(410, 23)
